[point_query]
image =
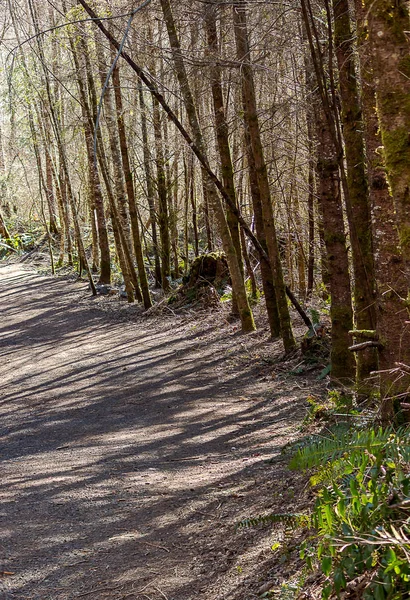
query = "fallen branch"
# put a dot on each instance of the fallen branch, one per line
(403, 367)
(364, 345)
(155, 545)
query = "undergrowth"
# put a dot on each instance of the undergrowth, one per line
(358, 532)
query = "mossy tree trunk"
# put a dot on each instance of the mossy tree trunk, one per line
(392, 282)
(358, 212)
(388, 25)
(252, 124)
(341, 312)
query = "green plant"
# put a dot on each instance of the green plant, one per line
(360, 517)
(316, 410)
(360, 523)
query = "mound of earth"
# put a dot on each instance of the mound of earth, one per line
(207, 279)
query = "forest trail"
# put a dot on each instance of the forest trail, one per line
(129, 451)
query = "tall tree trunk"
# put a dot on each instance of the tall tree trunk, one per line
(311, 209)
(162, 200)
(359, 213)
(393, 332)
(268, 283)
(121, 209)
(252, 124)
(149, 185)
(102, 161)
(93, 176)
(238, 285)
(388, 23)
(130, 189)
(341, 313)
(222, 135)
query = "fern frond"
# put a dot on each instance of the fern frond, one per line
(328, 450)
(290, 520)
(332, 471)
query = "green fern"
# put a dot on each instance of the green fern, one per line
(350, 444)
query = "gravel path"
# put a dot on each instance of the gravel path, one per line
(129, 450)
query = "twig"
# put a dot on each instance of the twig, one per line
(102, 589)
(143, 589)
(155, 545)
(159, 592)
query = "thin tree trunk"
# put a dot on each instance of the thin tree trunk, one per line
(102, 160)
(341, 313)
(252, 124)
(311, 213)
(51, 202)
(162, 200)
(130, 189)
(268, 283)
(94, 179)
(192, 200)
(120, 211)
(222, 135)
(150, 186)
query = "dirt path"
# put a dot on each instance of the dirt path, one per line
(128, 452)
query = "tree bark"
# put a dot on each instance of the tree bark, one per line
(252, 124)
(359, 213)
(132, 204)
(162, 200)
(149, 185)
(392, 312)
(93, 176)
(388, 31)
(222, 135)
(341, 313)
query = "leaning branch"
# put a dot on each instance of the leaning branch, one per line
(172, 117)
(195, 149)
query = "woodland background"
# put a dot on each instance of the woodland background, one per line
(262, 147)
(277, 132)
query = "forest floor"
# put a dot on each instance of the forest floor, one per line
(131, 447)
